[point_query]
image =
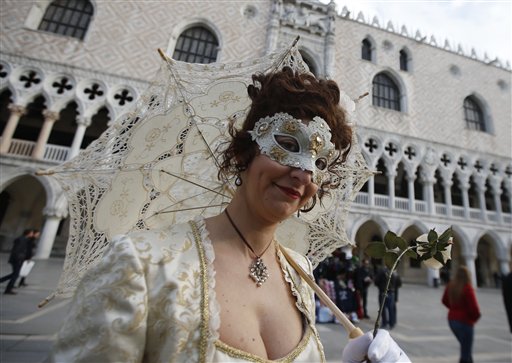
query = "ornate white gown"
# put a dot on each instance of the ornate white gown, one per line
(152, 299)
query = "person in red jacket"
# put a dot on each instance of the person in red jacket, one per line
(463, 311)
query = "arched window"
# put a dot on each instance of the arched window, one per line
(505, 198)
(309, 63)
(456, 191)
(473, 115)
(196, 45)
(404, 66)
(67, 17)
(366, 49)
(380, 180)
(385, 92)
(401, 184)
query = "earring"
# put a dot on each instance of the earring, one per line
(238, 181)
(298, 213)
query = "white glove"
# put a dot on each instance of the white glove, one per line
(382, 349)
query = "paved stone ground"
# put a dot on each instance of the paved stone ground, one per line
(422, 329)
(27, 333)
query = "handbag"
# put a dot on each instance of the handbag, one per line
(26, 268)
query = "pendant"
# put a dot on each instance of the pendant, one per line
(258, 272)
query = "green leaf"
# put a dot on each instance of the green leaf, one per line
(425, 256)
(402, 244)
(446, 235)
(433, 250)
(412, 254)
(391, 240)
(432, 236)
(439, 257)
(375, 249)
(390, 258)
(441, 246)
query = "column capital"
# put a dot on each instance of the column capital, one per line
(469, 255)
(83, 121)
(50, 116)
(447, 183)
(52, 212)
(17, 109)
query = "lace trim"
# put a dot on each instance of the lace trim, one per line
(299, 302)
(214, 309)
(290, 357)
(285, 267)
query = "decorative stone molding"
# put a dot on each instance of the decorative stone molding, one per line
(55, 212)
(17, 109)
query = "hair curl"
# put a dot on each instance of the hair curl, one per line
(302, 96)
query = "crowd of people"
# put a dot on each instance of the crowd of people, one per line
(346, 282)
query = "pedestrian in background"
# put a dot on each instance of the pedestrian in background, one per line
(28, 257)
(16, 258)
(389, 312)
(364, 278)
(463, 311)
(506, 288)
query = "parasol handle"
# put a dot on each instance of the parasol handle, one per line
(352, 331)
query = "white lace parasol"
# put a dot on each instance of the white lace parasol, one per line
(158, 165)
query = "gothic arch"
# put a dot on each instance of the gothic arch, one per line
(486, 110)
(414, 223)
(408, 55)
(381, 223)
(465, 245)
(363, 231)
(190, 23)
(310, 59)
(373, 48)
(397, 79)
(37, 11)
(494, 238)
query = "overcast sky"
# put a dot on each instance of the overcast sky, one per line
(483, 25)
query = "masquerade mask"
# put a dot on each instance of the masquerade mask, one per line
(290, 142)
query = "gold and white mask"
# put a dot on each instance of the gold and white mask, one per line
(291, 142)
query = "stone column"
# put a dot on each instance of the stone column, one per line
(464, 187)
(273, 28)
(371, 191)
(16, 112)
(83, 124)
(428, 192)
(330, 41)
(391, 190)
(447, 184)
(433, 277)
(410, 192)
(496, 193)
(49, 119)
(504, 266)
(48, 233)
(480, 183)
(469, 258)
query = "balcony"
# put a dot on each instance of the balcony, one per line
(363, 199)
(52, 153)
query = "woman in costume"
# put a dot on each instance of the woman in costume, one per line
(463, 311)
(220, 289)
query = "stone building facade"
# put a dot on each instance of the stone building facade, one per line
(436, 122)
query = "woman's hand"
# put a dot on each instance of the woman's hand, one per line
(382, 349)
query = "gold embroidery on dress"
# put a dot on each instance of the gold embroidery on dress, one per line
(237, 353)
(205, 316)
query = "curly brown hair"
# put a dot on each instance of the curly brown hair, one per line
(300, 95)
